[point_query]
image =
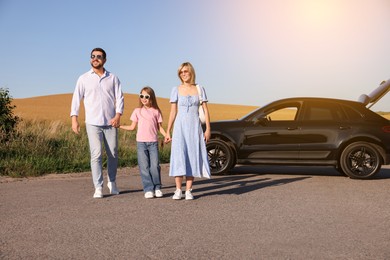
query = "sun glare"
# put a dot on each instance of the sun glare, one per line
(319, 14)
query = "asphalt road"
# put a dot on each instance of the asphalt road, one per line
(253, 213)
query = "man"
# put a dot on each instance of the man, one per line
(103, 102)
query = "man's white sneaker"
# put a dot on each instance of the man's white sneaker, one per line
(189, 195)
(149, 195)
(177, 195)
(112, 187)
(98, 193)
(158, 193)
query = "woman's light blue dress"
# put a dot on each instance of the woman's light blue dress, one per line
(188, 149)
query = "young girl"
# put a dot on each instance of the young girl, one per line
(149, 118)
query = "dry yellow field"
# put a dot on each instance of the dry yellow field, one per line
(387, 116)
(57, 108)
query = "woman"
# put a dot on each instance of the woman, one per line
(188, 150)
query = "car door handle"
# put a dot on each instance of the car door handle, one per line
(344, 127)
(292, 128)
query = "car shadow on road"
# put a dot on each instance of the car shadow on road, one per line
(244, 179)
(285, 170)
(384, 173)
(239, 184)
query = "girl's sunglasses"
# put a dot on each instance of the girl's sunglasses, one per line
(144, 96)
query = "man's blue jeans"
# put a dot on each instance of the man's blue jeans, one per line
(149, 165)
(109, 136)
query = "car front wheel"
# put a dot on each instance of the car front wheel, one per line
(220, 156)
(360, 160)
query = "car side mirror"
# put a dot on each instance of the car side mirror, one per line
(261, 121)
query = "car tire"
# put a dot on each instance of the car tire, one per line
(220, 156)
(360, 160)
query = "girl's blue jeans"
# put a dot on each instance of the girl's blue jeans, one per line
(149, 166)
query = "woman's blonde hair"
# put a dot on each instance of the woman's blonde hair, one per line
(190, 68)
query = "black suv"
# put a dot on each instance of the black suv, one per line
(306, 131)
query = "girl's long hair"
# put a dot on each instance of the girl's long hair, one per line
(153, 99)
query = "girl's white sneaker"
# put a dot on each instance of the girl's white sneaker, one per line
(158, 193)
(149, 195)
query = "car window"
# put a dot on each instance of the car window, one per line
(283, 114)
(280, 111)
(323, 111)
(352, 114)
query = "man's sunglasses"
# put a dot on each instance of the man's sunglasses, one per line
(144, 96)
(99, 57)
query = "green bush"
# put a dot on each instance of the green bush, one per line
(8, 120)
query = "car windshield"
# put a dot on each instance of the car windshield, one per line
(250, 115)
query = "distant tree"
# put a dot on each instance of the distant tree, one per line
(8, 120)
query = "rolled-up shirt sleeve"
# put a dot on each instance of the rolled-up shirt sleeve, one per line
(78, 95)
(119, 97)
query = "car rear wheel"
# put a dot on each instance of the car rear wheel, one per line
(220, 156)
(360, 160)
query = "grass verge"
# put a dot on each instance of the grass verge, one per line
(42, 147)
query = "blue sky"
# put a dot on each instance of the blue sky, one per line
(247, 52)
